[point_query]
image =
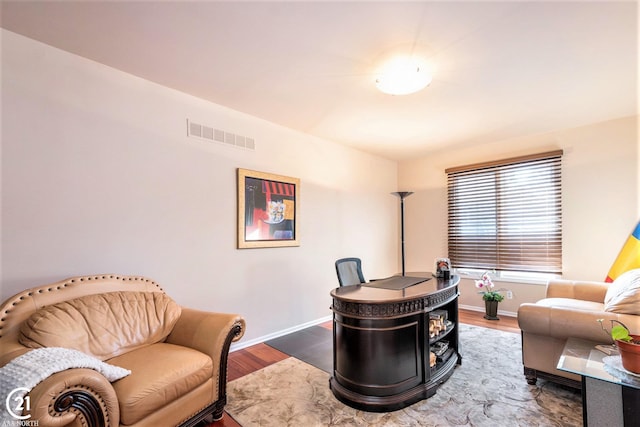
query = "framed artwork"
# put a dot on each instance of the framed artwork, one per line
(268, 207)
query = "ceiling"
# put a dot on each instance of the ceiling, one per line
(501, 69)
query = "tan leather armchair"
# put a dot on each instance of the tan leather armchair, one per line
(570, 309)
(177, 356)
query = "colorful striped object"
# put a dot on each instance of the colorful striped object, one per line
(628, 258)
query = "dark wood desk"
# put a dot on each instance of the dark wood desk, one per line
(381, 342)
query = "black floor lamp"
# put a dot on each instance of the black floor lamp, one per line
(403, 195)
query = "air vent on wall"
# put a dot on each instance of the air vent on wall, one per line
(209, 133)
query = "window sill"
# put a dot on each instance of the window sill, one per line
(508, 277)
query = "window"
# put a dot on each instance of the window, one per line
(507, 215)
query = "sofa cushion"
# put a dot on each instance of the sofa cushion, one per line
(160, 374)
(561, 318)
(103, 325)
(623, 295)
(570, 304)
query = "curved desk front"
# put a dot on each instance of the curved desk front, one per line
(382, 343)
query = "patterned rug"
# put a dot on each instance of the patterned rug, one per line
(488, 389)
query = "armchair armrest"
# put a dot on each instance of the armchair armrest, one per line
(581, 290)
(206, 331)
(212, 334)
(72, 394)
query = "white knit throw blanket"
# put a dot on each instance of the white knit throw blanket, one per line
(25, 372)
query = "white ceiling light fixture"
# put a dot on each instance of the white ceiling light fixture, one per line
(403, 75)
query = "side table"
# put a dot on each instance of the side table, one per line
(610, 395)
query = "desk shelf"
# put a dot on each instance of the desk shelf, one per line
(442, 335)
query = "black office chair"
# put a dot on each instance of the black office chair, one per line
(349, 271)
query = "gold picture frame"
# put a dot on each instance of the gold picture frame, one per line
(268, 210)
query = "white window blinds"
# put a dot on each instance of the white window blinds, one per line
(507, 215)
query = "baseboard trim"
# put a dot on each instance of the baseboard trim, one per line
(260, 340)
(481, 310)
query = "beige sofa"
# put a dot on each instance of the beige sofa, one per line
(177, 356)
(570, 309)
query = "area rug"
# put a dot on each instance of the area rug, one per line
(488, 389)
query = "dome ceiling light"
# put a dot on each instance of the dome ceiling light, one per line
(403, 76)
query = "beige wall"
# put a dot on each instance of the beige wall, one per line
(600, 200)
(98, 176)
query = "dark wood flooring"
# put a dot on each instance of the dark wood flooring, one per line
(313, 345)
(251, 359)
